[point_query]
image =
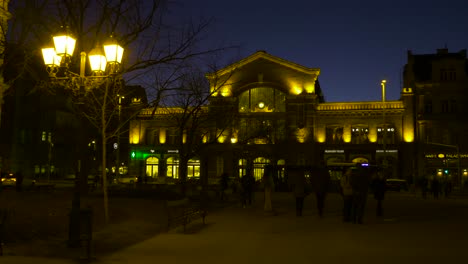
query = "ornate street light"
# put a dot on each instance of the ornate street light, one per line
(104, 65)
(57, 60)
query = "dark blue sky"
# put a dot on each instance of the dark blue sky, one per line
(356, 44)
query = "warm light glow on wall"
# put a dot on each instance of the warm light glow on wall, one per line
(162, 136)
(225, 90)
(347, 134)
(320, 135)
(302, 134)
(233, 140)
(309, 88)
(134, 135)
(222, 136)
(184, 137)
(408, 136)
(372, 136)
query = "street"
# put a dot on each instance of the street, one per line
(412, 230)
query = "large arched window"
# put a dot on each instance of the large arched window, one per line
(259, 167)
(172, 167)
(152, 167)
(262, 99)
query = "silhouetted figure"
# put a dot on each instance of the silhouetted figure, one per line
(247, 182)
(379, 188)
(447, 187)
(268, 187)
(424, 187)
(297, 183)
(347, 193)
(224, 184)
(360, 182)
(320, 181)
(435, 187)
(19, 181)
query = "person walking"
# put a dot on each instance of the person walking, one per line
(224, 185)
(268, 187)
(297, 184)
(347, 193)
(320, 181)
(360, 183)
(379, 188)
(247, 182)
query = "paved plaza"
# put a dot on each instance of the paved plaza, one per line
(412, 230)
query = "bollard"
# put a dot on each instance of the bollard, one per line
(86, 231)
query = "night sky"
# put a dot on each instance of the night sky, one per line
(356, 44)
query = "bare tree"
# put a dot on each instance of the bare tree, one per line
(154, 41)
(186, 104)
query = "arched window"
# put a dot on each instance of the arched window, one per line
(152, 167)
(172, 167)
(259, 167)
(262, 99)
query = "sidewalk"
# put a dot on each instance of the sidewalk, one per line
(249, 235)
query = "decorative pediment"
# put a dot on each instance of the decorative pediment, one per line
(263, 69)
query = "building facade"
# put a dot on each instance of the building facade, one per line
(274, 113)
(439, 82)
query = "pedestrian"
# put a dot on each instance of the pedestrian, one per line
(435, 187)
(19, 181)
(379, 188)
(297, 184)
(424, 187)
(268, 187)
(360, 183)
(320, 181)
(224, 184)
(247, 182)
(347, 193)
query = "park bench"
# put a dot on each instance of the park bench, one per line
(3, 219)
(43, 186)
(183, 212)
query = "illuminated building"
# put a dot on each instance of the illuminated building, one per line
(439, 82)
(274, 112)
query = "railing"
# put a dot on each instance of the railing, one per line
(360, 106)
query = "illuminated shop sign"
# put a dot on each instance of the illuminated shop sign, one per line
(387, 151)
(445, 156)
(334, 151)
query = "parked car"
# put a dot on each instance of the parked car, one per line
(8, 179)
(396, 185)
(127, 179)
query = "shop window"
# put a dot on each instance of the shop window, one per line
(242, 167)
(193, 168)
(152, 167)
(172, 167)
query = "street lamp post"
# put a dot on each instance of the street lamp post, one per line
(384, 139)
(57, 60)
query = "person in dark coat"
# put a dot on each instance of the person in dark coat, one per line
(347, 193)
(19, 181)
(247, 182)
(320, 181)
(224, 184)
(360, 182)
(297, 185)
(379, 188)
